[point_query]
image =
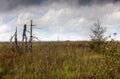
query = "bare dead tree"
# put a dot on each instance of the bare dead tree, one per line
(11, 38)
(31, 35)
(16, 41)
(11, 43)
(15, 44)
(24, 37)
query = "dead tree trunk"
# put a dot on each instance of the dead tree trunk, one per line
(14, 45)
(11, 43)
(24, 37)
(31, 35)
(16, 42)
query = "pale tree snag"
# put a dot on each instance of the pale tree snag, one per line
(11, 43)
(15, 43)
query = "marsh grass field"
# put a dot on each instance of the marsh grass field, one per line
(59, 60)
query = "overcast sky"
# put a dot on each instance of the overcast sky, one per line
(59, 19)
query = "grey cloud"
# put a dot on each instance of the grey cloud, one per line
(90, 2)
(6, 5)
(73, 21)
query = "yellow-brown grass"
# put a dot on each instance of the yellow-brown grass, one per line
(57, 60)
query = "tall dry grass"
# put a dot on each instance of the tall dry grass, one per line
(58, 60)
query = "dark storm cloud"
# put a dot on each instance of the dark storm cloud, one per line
(87, 2)
(12, 4)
